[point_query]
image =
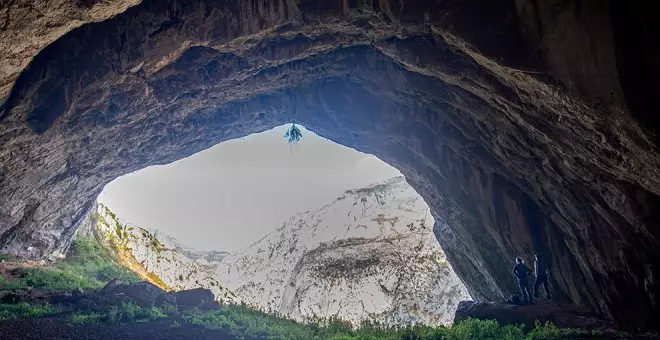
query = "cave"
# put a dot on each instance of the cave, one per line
(527, 126)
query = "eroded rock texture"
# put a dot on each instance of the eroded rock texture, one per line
(26, 26)
(525, 125)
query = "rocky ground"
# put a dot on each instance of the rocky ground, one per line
(60, 328)
(60, 325)
(543, 311)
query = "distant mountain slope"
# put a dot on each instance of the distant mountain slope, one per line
(369, 255)
(159, 258)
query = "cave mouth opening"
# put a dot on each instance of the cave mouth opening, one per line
(258, 220)
(514, 134)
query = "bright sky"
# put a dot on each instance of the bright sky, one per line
(232, 194)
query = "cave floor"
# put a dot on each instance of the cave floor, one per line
(60, 327)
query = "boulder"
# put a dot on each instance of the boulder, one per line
(165, 299)
(85, 305)
(564, 316)
(112, 285)
(143, 293)
(516, 299)
(193, 297)
(210, 305)
(116, 299)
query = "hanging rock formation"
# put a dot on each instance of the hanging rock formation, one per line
(527, 126)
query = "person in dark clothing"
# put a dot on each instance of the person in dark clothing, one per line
(522, 271)
(541, 272)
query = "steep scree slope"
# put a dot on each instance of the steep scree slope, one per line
(518, 121)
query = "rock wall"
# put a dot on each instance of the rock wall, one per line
(370, 255)
(157, 258)
(525, 125)
(27, 26)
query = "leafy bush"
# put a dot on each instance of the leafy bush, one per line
(550, 331)
(129, 312)
(82, 318)
(7, 257)
(24, 310)
(89, 265)
(485, 329)
(242, 321)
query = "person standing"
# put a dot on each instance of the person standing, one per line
(541, 272)
(521, 271)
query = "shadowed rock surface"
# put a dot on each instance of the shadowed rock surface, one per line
(27, 26)
(562, 316)
(60, 328)
(525, 125)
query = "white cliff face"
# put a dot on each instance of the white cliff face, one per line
(369, 255)
(161, 259)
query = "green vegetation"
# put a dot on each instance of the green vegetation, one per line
(92, 264)
(242, 321)
(128, 312)
(89, 265)
(24, 310)
(7, 257)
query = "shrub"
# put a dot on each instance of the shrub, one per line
(89, 265)
(129, 312)
(82, 318)
(550, 331)
(24, 310)
(7, 257)
(485, 329)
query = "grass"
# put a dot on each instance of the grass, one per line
(92, 264)
(244, 322)
(7, 257)
(128, 312)
(25, 310)
(89, 265)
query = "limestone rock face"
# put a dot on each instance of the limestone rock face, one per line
(526, 125)
(27, 26)
(158, 258)
(370, 255)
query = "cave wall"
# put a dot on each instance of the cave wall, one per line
(27, 26)
(510, 118)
